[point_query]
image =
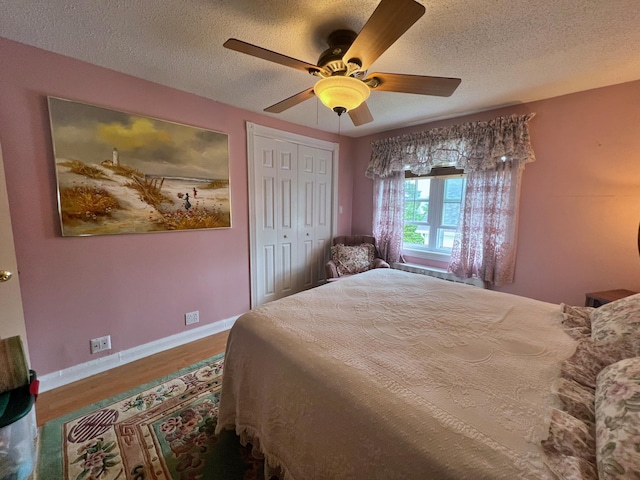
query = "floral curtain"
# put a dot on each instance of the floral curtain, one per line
(485, 243)
(388, 215)
(493, 154)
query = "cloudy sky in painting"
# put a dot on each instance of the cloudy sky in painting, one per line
(89, 134)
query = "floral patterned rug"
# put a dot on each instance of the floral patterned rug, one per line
(162, 430)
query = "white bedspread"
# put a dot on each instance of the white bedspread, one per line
(393, 375)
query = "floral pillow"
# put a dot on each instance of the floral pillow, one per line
(570, 448)
(352, 259)
(618, 420)
(616, 319)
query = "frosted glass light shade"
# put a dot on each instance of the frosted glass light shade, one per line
(341, 92)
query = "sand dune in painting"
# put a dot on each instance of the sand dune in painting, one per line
(97, 199)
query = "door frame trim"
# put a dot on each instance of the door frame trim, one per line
(256, 130)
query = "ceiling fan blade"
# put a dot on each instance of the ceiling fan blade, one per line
(390, 20)
(291, 101)
(255, 51)
(422, 85)
(361, 115)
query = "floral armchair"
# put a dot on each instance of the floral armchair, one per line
(353, 254)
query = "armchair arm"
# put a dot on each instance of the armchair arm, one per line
(380, 263)
(330, 269)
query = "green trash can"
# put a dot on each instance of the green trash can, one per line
(18, 431)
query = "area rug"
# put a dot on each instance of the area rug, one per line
(161, 430)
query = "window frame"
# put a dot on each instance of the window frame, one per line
(436, 210)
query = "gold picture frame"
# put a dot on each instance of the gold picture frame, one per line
(119, 173)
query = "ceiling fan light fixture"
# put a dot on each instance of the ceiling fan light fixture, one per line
(340, 93)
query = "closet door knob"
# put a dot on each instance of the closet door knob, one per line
(285, 236)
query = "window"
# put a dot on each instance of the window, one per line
(432, 211)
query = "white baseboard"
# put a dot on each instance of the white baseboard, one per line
(78, 372)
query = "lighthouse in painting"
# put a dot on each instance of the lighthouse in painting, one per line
(115, 156)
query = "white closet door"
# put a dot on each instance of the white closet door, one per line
(324, 222)
(314, 214)
(265, 218)
(275, 169)
(287, 215)
(306, 217)
(291, 181)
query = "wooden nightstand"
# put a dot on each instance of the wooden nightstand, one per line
(597, 299)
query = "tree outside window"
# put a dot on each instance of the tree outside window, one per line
(432, 212)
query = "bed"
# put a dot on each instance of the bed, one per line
(392, 375)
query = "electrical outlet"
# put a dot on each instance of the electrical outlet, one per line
(191, 317)
(101, 344)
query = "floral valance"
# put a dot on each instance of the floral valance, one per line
(471, 146)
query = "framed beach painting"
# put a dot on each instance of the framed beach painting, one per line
(119, 172)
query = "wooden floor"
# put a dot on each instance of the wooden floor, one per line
(73, 396)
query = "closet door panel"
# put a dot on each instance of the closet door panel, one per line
(306, 249)
(291, 212)
(305, 233)
(287, 163)
(268, 281)
(319, 169)
(266, 222)
(286, 274)
(307, 216)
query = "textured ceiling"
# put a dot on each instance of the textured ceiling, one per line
(505, 51)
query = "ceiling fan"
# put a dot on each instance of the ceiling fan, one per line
(344, 83)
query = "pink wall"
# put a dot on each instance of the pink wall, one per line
(134, 287)
(580, 202)
(347, 157)
(579, 212)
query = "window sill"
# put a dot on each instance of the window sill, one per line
(440, 257)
